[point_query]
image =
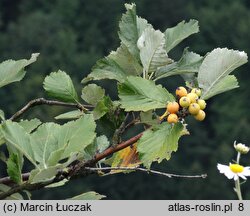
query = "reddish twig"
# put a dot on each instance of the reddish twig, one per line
(42, 101)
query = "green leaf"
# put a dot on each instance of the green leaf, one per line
(178, 33)
(188, 64)
(17, 136)
(118, 65)
(88, 196)
(54, 142)
(44, 141)
(148, 118)
(77, 135)
(99, 145)
(43, 175)
(30, 125)
(106, 68)
(138, 94)
(14, 168)
(158, 143)
(75, 114)
(216, 66)
(15, 196)
(2, 116)
(13, 71)
(60, 86)
(227, 83)
(152, 52)
(3, 157)
(131, 28)
(102, 108)
(58, 184)
(92, 94)
(126, 61)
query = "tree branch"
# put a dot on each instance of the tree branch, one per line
(7, 180)
(73, 171)
(42, 101)
(149, 171)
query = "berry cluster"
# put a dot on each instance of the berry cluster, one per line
(188, 103)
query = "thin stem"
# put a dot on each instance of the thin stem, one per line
(149, 171)
(238, 189)
(237, 182)
(238, 158)
(151, 75)
(42, 101)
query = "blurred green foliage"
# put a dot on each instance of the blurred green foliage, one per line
(73, 35)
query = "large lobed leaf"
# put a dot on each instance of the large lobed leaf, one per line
(189, 63)
(159, 142)
(60, 86)
(125, 60)
(178, 33)
(51, 142)
(117, 65)
(138, 94)
(13, 71)
(213, 75)
(19, 138)
(131, 28)
(152, 52)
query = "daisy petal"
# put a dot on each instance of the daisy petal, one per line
(236, 177)
(223, 168)
(242, 176)
(246, 171)
(230, 174)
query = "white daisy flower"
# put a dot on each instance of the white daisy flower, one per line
(234, 171)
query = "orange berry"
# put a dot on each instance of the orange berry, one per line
(172, 118)
(173, 107)
(181, 91)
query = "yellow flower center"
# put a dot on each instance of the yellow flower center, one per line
(236, 168)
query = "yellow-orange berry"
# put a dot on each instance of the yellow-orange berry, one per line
(193, 97)
(173, 107)
(200, 116)
(172, 118)
(202, 104)
(181, 91)
(194, 108)
(196, 91)
(184, 101)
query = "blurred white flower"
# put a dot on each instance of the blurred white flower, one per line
(234, 171)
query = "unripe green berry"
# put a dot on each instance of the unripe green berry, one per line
(194, 108)
(193, 97)
(196, 91)
(200, 116)
(202, 104)
(184, 101)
